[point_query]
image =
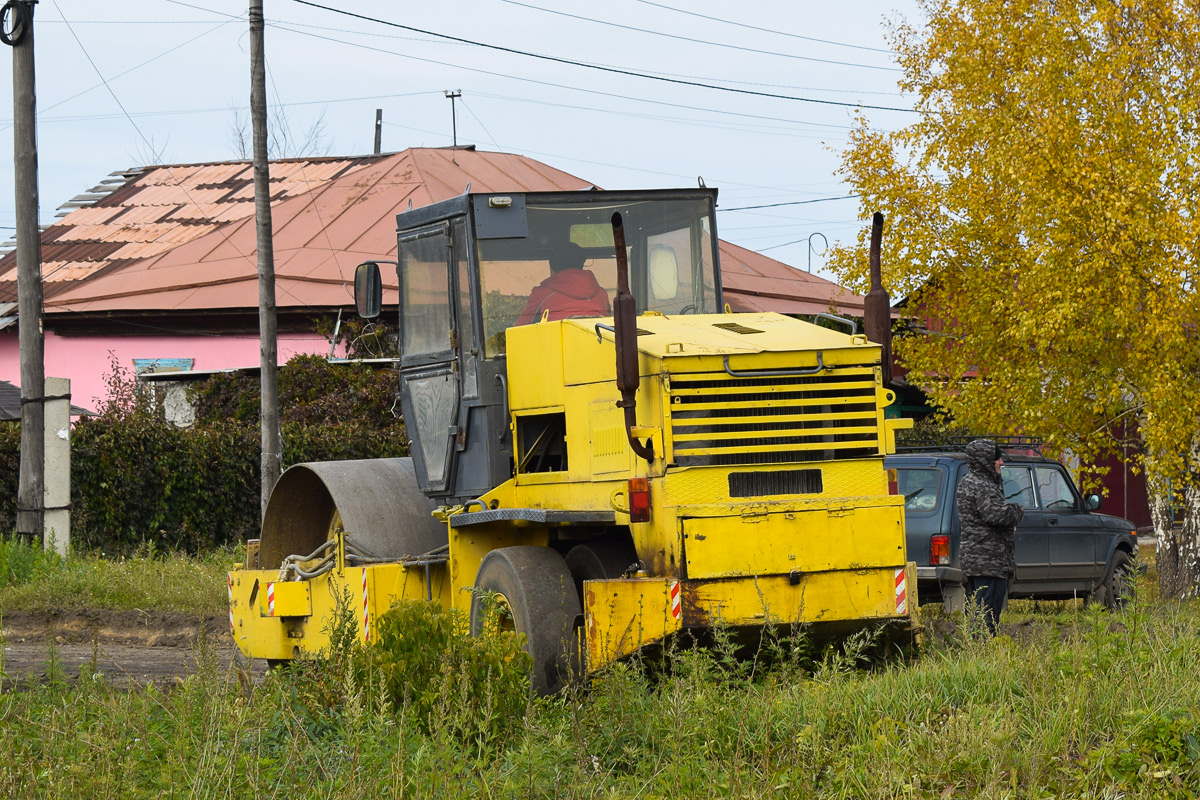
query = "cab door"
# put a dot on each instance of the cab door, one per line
(429, 383)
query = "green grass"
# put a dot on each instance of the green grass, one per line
(1081, 703)
(33, 580)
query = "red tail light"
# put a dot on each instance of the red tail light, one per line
(893, 482)
(639, 500)
(939, 550)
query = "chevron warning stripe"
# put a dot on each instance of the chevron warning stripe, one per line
(902, 591)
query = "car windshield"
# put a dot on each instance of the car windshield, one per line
(921, 488)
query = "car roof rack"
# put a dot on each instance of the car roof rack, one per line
(957, 443)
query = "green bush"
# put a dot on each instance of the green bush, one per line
(10, 470)
(423, 666)
(22, 562)
(429, 664)
(138, 480)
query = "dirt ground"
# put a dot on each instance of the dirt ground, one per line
(128, 647)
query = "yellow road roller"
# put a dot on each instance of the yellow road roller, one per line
(597, 445)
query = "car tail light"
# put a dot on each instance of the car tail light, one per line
(939, 550)
(893, 482)
(639, 500)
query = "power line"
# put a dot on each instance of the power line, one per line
(8, 124)
(795, 203)
(494, 74)
(789, 131)
(611, 70)
(222, 109)
(766, 30)
(701, 41)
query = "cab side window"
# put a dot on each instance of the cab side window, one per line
(1055, 491)
(1018, 486)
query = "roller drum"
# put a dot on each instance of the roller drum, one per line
(375, 501)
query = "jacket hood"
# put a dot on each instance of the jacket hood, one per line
(576, 283)
(981, 455)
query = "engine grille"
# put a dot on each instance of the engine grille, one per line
(720, 420)
(770, 484)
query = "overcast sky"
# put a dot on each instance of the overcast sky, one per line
(165, 81)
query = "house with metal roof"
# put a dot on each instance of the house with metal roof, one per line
(158, 265)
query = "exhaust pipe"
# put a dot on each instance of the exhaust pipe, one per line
(625, 334)
(878, 306)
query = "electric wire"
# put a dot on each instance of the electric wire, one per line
(700, 41)
(765, 30)
(597, 92)
(217, 227)
(312, 203)
(611, 70)
(8, 124)
(284, 27)
(794, 203)
(689, 120)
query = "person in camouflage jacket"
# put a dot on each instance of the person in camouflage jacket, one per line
(988, 525)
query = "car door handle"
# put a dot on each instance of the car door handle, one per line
(1052, 520)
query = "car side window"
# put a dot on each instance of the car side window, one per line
(1018, 486)
(1054, 490)
(921, 488)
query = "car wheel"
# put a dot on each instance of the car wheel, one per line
(1118, 581)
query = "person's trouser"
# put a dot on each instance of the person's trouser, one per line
(991, 594)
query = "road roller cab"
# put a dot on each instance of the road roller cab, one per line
(614, 478)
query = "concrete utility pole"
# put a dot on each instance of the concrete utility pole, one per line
(272, 442)
(57, 533)
(16, 30)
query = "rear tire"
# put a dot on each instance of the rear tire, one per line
(1118, 581)
(599, 561)
(536, 587)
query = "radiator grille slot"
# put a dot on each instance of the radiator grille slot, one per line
(768, 484)
(726, 421)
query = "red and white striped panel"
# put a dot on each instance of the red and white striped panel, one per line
(270, 599)
(366, 611)
(230, 577)
(676, 600)
(902, 591)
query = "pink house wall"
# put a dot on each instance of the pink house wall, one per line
(87, 360)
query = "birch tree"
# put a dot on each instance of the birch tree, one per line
(1042, 209)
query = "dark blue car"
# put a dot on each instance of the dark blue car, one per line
(1064, 548)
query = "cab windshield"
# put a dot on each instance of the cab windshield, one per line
(670, 246)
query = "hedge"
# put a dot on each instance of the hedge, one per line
(138, 480)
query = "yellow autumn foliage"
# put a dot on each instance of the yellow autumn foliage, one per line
(1042, 207)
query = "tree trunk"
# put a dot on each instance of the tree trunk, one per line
(1177, 535)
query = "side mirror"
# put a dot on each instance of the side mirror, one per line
(1093, 502)
(368, 290)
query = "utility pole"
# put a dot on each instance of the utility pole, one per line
(272, 442)
(453, 119)
(378, 130)
(16, 30)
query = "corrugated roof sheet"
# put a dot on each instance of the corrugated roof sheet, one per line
(181, 237)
